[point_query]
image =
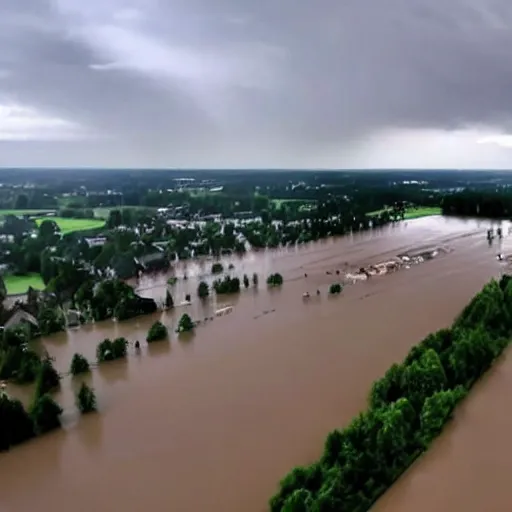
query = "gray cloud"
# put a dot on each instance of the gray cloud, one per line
(239, 83)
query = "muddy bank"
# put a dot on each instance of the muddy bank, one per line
(233, 408)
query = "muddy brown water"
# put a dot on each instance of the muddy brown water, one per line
(213, 421)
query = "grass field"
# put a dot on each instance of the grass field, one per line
(3, 213)
(278, 202)
(17, 285)
(69, 225)
(416, 213)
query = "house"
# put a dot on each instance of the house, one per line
(154, 261)
(95, 241)
(19, 316)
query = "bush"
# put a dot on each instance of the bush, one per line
(407, 409)
(275, 280)
(246, 281)
(85, 399)
(217, 268)
(16, 425)
(335, 288)
(185, 324)
(157, 332)
(79, 364)
(109, 350)
(227, 285)
(47, 377)
(203, 290)
(45, 414)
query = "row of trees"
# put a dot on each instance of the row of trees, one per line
(490, 204)
(18, 425)
(407, 409)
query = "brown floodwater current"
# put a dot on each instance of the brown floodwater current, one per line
(213, 421)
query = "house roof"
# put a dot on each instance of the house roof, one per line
(18, 316)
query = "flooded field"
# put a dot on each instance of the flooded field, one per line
(213, 421)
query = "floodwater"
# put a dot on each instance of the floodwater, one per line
(214, 420)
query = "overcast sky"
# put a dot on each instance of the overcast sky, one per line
(256, 83)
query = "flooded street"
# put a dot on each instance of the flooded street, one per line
(214, 421)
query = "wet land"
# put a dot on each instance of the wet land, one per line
(213, 421)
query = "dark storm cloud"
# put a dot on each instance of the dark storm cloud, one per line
(179, 78)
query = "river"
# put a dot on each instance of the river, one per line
(214, 421)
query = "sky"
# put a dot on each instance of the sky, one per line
(256, 84)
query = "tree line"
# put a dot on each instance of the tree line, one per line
(407, 410)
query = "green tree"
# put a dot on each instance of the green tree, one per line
(437, 410)
(16, 425)
(45, 414)
(85, 399)
(217, 268)
(275, 279)
(47, 377)
(48, 229)
(203, 290)
(157, 332)
(51, 320)
(335, 288)
(3, 289)
(79, 364)
(185, 324)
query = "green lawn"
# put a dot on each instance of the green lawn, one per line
(279, 202)
(415, 213)
(69, 225)
(3, 213)
(20, 284)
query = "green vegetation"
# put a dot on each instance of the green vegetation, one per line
(227, 285)
(275, 279)
(185, 324)
(413, 212)
(407, 409)
(202, 290)
(157, 332)
(109, 350)
(79, 364)
(4, 213)
(17, 426)
(47, 378)
(51, 320)
(70, 225)
(85, 399)
(217, 268)
(335, 288)
(246, 281)
(45, 414)
(19, 284)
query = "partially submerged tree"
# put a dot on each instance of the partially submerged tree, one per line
(45, 414)
(335, 288)
(185, 324)
(157, 332)
(47, 377)
(85, 399)
(202, 290)
(275, 279)
(79, 364)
